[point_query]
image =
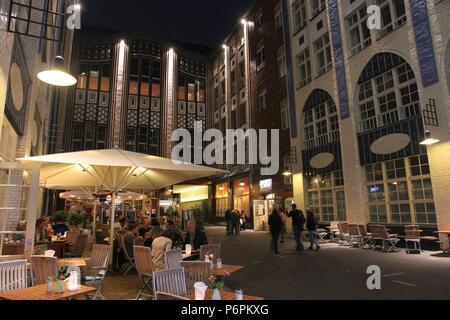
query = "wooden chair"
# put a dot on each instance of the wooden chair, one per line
(413, 234)
(97, 266)
(173, 258)
(344, 236)
(366, 238)
(195, 271)
(79, 247)
(144, 267)
(129, 264)
(13, 275)
(42, 268)
(171, 281)
(389, 241)
(210, 249)
(71, 237)
(169, 297)
(334, 231)
(354, 235)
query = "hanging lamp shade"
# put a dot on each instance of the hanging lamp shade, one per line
(57, 76)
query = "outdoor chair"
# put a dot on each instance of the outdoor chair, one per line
(172, 281)
(322, 234)
(344, 236)
(334, 231)
(354, 235)
(13, 275)
(129, 264)
(71, 237)
(210, 249)
(79, 247)
(413, 235)
(389, 241)
(173, 258)
(195, 271)
(139, 241)
(169, 297)
(42, 268)
(366, 238)
(144, 267)
(95, 271)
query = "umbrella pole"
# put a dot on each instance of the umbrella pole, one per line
(94, 222)
(111, 219)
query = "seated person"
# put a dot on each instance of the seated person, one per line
(160, 245)
(195, 237)
(128, 239)
(146, 227)
(40, 231)
(60, 228)
(175, 235)
(153, 233)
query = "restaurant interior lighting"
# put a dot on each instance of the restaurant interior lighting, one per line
(429, 140)
(57, 76)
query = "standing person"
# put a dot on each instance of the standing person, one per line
(298, 221)
(283, 226)
(236, 222)
(228, 221)
(243, 220)
(311, 225)
(275, 224)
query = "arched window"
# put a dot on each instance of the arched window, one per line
(320, 119)
(388, 93)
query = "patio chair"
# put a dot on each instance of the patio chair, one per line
(171, 281)
(344, 236)
(173, 258)
(195, 271)
(210, 249)
(42, 268)
(169, 297)
(129, 264)
(413, 235)
(13, 275)
(354, 235)
(366, 238)
(322, 234)
(389, 241)
(139, 241)
(71, 237)
(95, 271)
(334, 231)
(144, 267)
(79, 247)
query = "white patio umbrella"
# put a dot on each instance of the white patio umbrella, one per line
(114, 170)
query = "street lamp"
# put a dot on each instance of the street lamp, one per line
(429, 140)
(57, 76)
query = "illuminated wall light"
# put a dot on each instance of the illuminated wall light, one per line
(429, 140)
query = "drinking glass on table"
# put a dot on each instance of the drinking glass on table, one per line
(239, 295)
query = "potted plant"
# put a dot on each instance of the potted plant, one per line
(77, 217)
(199, 218)
(62, 215)
(216, 283)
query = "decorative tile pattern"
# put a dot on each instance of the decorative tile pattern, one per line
(78, 114)
(156, 105)
(145, 102)
(190, 121)
(104, 99)
(80, 97)
(191, 107)
(103, 115)
(132, 102)
(132, 118)
(155, 120)
(91, 112)
(92, 97)
(201, 109)
(144, 115)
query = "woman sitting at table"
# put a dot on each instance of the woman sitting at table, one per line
(195, 236)
(60, 228)
(160, 245)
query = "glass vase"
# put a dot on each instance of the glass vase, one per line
(216, 295)
(59, 286)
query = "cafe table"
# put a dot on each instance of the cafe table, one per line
(40, 293)
(72, 262)
(226, 296)
(58, 247)
(227, 269)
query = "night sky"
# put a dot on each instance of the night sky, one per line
(204, 22)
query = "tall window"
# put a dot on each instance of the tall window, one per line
(260, 55)
(359, 34)
(284, 111)
(388, 98)
(400, 191)
(326, 196)
(242, 114)
(393, 15)
(259, 18)
(281, 58)
(262, 99)
(304, 65)
(321, 124)
(316, 7)
(323, 54)
(299, 13)
(278, 16)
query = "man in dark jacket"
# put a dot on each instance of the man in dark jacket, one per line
(298, 221)
(228, 221)
(195, 237)
(275, 224)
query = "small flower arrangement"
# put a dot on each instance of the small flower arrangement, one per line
(62, 274)
(216, 282)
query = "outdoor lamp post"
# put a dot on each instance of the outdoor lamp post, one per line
(57, 75)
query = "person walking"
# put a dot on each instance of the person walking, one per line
(311, 225)
(298, 221)
(236, 222)
(243, 220)
(275, 224)
(283, 226)
(228, 218)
